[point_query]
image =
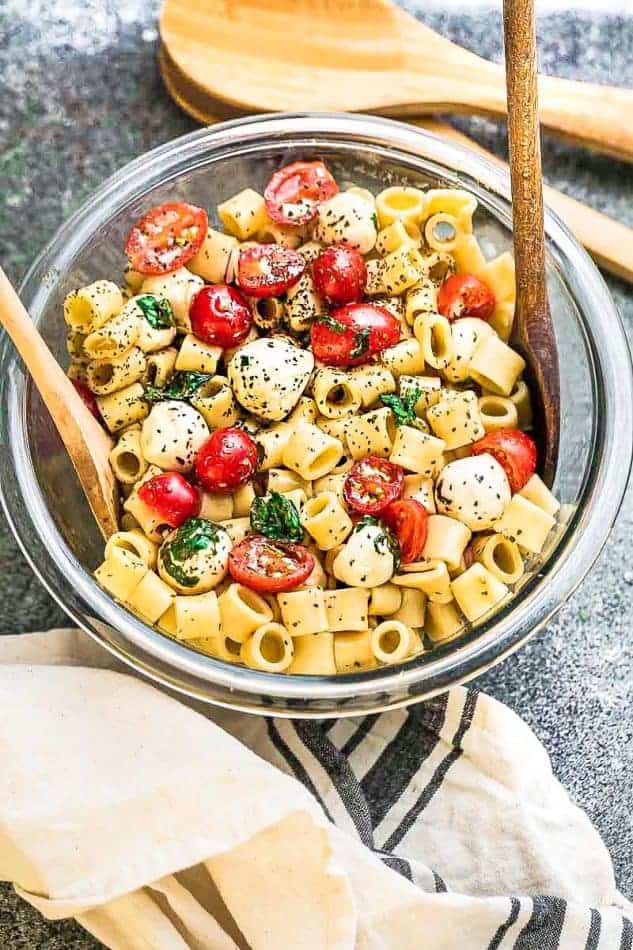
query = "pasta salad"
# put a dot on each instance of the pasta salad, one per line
(320, 430)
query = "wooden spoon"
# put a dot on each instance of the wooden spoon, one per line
(365, 55)
(533, 332)
(86, 442)
(609, 242)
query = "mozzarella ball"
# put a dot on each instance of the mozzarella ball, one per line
(473, 490)
(179, 287)
(347, 219)
(269, 375)
(194, 558)
(366, 559)
(172, 434)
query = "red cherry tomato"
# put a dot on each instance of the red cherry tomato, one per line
(408, 520)
(514, 451)
(267, 270)
(294, 193)
(340, 275)
(464, 295)
(88, 398)
(171, 497)
(352, 334)
(226, 460)
(372, 484)
(167, 237)
(270, 567)
(219, 315)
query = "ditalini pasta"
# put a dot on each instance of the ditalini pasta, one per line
(319, 425)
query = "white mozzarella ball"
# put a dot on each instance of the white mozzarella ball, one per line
(366, 559)
(474, 490)
(194, 558)
(269, 375)
(172, 434)
(179, 287)
(347, 219)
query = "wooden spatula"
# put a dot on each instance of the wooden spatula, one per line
(365, 55)
(86, 442)
(533, 332)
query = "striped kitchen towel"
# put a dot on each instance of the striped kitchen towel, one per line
(439, 826)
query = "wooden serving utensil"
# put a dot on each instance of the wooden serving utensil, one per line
(87, 444)
(365, 56)
(533, 332)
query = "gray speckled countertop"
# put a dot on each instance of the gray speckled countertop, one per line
(80, 95)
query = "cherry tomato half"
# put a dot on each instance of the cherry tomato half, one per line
(267, 270)
(514, 451)
(408, 520)
(226, 460)
(171, 497)
(88, 398)
(294, 193)
(167, 237)
(464, 295)
(372, 484)
(270, 567)
(340, 275)
(353, 334)
(219, 315)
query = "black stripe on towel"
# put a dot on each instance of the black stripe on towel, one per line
(340, 774)
(543, 929)
(357, 737)
(626, 943)
(391, 773)
(440, 886)
(297, 768)
(593, 937)
(515, 907)
(401, 865)
(438, 776)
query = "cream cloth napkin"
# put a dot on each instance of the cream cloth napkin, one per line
(156, 827)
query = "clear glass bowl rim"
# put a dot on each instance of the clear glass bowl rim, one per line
(166, 660)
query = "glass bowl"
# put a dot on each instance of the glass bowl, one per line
(45, 505)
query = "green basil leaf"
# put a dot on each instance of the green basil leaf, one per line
(276, 517)
(361, 343)
(182, 385)
(403, 407)
(157, 311)
(196, 534)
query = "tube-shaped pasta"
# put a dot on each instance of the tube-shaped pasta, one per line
(353, 652)
(214, 260)
(500, 556)
(121, 572)
(314, 656)
(446, 540)
(400, 270)
(215, 403)
(412, 608)
(283, 480)
(151, 598)
(401, 203)
(430, 388)
(283, 234)
(133, 279)
(305, 409)
(443, 622)
(197, 616)
(392, 641)
(153, 339)
(179, 287)
(303, 611)
(417, 452)
(330, 483)
(431, 578)
(422, 489)
(456, 419)
(160, 367)
(303, 304)
(135, 542)
(242, 500)
(393, 237)
(477, 591)
(467, 334)
(442, 232)
(75, 345)
(273, 442)
(268, 312)
(496, 366)
(195, 356)
(526, 524)
(88, 308)
(112, 340)
(236, 528)
(270, 649)
(520, 396)
(150, 522)
(124, 407)
(498, 412)
(371, 434)
(336, 393)
(325, 519)
(346, 609)
(310, 452)
(460, 204)
(384, 600)
(536, 491)
(126, 458)
(406, 357)
(244, 214)
(109, 376)
(373, 382)
(242, 611)
(215, 506)
(421, 298)
(433, 333)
